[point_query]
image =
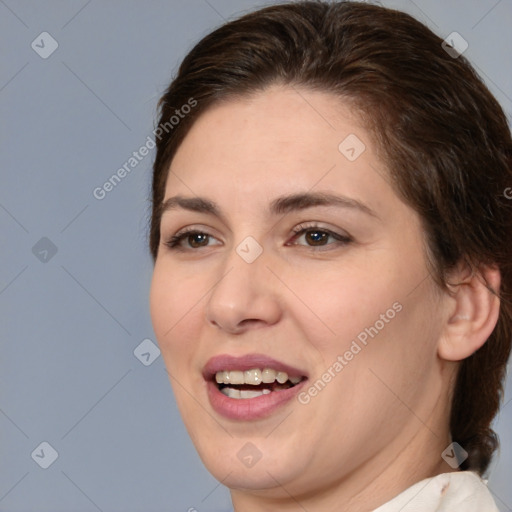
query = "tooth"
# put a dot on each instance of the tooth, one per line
(268, 376)
(247, 393)
(231, 392)
(266, 391)
(236, 377)
(282, 377)
(252, 376)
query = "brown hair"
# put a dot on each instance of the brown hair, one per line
(443, 136)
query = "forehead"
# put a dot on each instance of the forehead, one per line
(283, 139)
(273, 122)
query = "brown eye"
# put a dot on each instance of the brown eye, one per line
(315, 237)
(197, 239)
(194, 240)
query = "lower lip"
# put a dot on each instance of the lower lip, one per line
(246, 409)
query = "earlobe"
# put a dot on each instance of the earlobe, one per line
(474, 313)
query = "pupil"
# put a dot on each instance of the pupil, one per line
(198, 237)
(317, 237)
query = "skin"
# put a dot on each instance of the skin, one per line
(381, 424)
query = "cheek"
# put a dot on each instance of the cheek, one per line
(335, 306)
(369, 317)
(175, 306)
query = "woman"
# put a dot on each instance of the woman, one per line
(332, 246)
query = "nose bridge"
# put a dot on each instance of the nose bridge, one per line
(242, 277)
(245, 266)
(244, 289)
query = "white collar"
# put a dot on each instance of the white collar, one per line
(463, 491)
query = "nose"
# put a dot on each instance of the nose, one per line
(245, 296)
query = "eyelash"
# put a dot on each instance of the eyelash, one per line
(174, 242)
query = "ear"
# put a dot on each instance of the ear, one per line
(473, 311)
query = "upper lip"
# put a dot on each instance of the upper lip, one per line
(247, 362)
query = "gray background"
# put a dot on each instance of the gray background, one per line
(70, 323)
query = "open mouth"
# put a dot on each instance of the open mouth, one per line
(252, 386)
(244, 384)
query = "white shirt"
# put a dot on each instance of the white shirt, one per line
(462, 491)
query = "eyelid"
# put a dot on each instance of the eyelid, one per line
(310, 225)
(194, 228)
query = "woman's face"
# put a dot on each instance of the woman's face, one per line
(280, 277)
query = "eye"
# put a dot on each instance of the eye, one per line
(195, 240)
(316, 236)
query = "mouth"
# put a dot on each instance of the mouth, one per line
(251, 386)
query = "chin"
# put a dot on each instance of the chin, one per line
(251, 464)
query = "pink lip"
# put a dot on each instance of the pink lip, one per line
(250, 408)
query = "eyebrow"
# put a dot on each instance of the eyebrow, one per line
(280, 205)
